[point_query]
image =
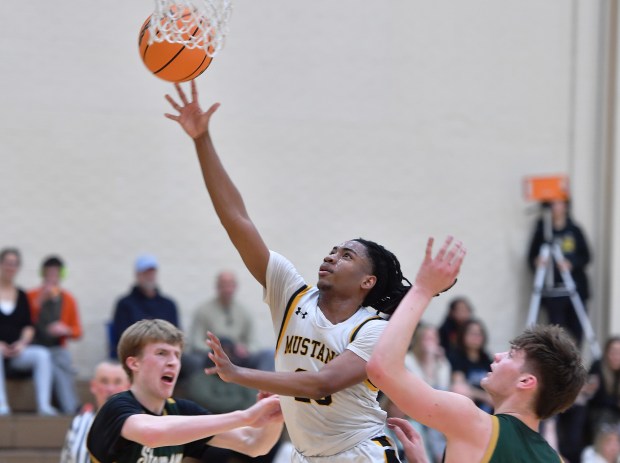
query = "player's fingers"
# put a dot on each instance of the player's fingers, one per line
(171, 116)
(400, 434)
(444, 247)
(460, 257)
(212, 109)
(214, 339)
(172, 102)
(429, 248)
(181, 93)
(453, 252)
(194, 91)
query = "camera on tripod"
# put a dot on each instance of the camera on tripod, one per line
(548, 190)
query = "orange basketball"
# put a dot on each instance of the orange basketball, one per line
(173, 62)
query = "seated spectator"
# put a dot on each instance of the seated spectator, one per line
(109, 379)
(459, 311)
(227, 318)
(606, 447)
(16, 333)
(144, 301)
(56, 319)
(604, 406)
(470, 363)
(569, 430)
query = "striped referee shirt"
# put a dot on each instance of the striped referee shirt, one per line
(74, 449)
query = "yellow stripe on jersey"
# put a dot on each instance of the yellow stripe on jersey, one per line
(93, 459)
(297, 295)
(371, 386)
(493, 442)
(356, 330)
(359, 327)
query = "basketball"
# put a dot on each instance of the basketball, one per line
(173, 62)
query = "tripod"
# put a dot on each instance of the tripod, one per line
(551, 253)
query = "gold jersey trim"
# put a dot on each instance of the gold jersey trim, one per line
(297, 295)
(493, 441)
(356, 330)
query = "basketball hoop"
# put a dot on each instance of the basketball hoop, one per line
(194, 23)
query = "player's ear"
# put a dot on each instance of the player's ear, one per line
(369, 281)
(132, 363)
(527, 381)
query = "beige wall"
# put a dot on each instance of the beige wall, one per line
(392, 121)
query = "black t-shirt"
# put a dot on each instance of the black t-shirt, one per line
(11, 325)
(106, 445)
(473, 371)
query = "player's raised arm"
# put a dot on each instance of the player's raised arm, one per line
(386, 369)
(225, 196)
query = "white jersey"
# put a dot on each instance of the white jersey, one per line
(306, 342)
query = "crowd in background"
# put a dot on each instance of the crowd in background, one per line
(36, 325)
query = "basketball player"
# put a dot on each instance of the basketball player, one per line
(139, 426)
(325, 334)
(538, 377)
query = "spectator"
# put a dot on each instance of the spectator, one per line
(459, 311)
(56, 319)
(604, 406)
(606, 448)
(144, 301)
(109, 379)
(228, 319)
(470, 363)
(16, 333)
(576, 255)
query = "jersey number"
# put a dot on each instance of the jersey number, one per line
(327, 400)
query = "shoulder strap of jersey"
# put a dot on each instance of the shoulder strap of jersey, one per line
(357, 329)
(292, 302)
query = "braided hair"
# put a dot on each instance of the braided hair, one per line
(389, 289)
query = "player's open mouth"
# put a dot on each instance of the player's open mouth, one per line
(167, 379)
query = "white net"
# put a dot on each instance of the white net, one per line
(195, 23)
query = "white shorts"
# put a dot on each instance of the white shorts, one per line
(380, 449)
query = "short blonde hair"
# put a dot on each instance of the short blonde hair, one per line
(135, 338)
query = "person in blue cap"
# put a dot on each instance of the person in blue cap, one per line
(144, 301)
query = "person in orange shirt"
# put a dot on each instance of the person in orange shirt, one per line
(54, 313)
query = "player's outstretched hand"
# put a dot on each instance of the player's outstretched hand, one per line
(194, 120)
(223, 367)
(413, 445)
(265, 411)
(437, 274)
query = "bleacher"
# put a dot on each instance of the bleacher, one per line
(26, 437)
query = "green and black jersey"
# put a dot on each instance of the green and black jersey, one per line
(106, 445)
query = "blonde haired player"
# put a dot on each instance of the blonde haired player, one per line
(325, 334)
(144, 424)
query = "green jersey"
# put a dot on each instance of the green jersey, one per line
(512, 441)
